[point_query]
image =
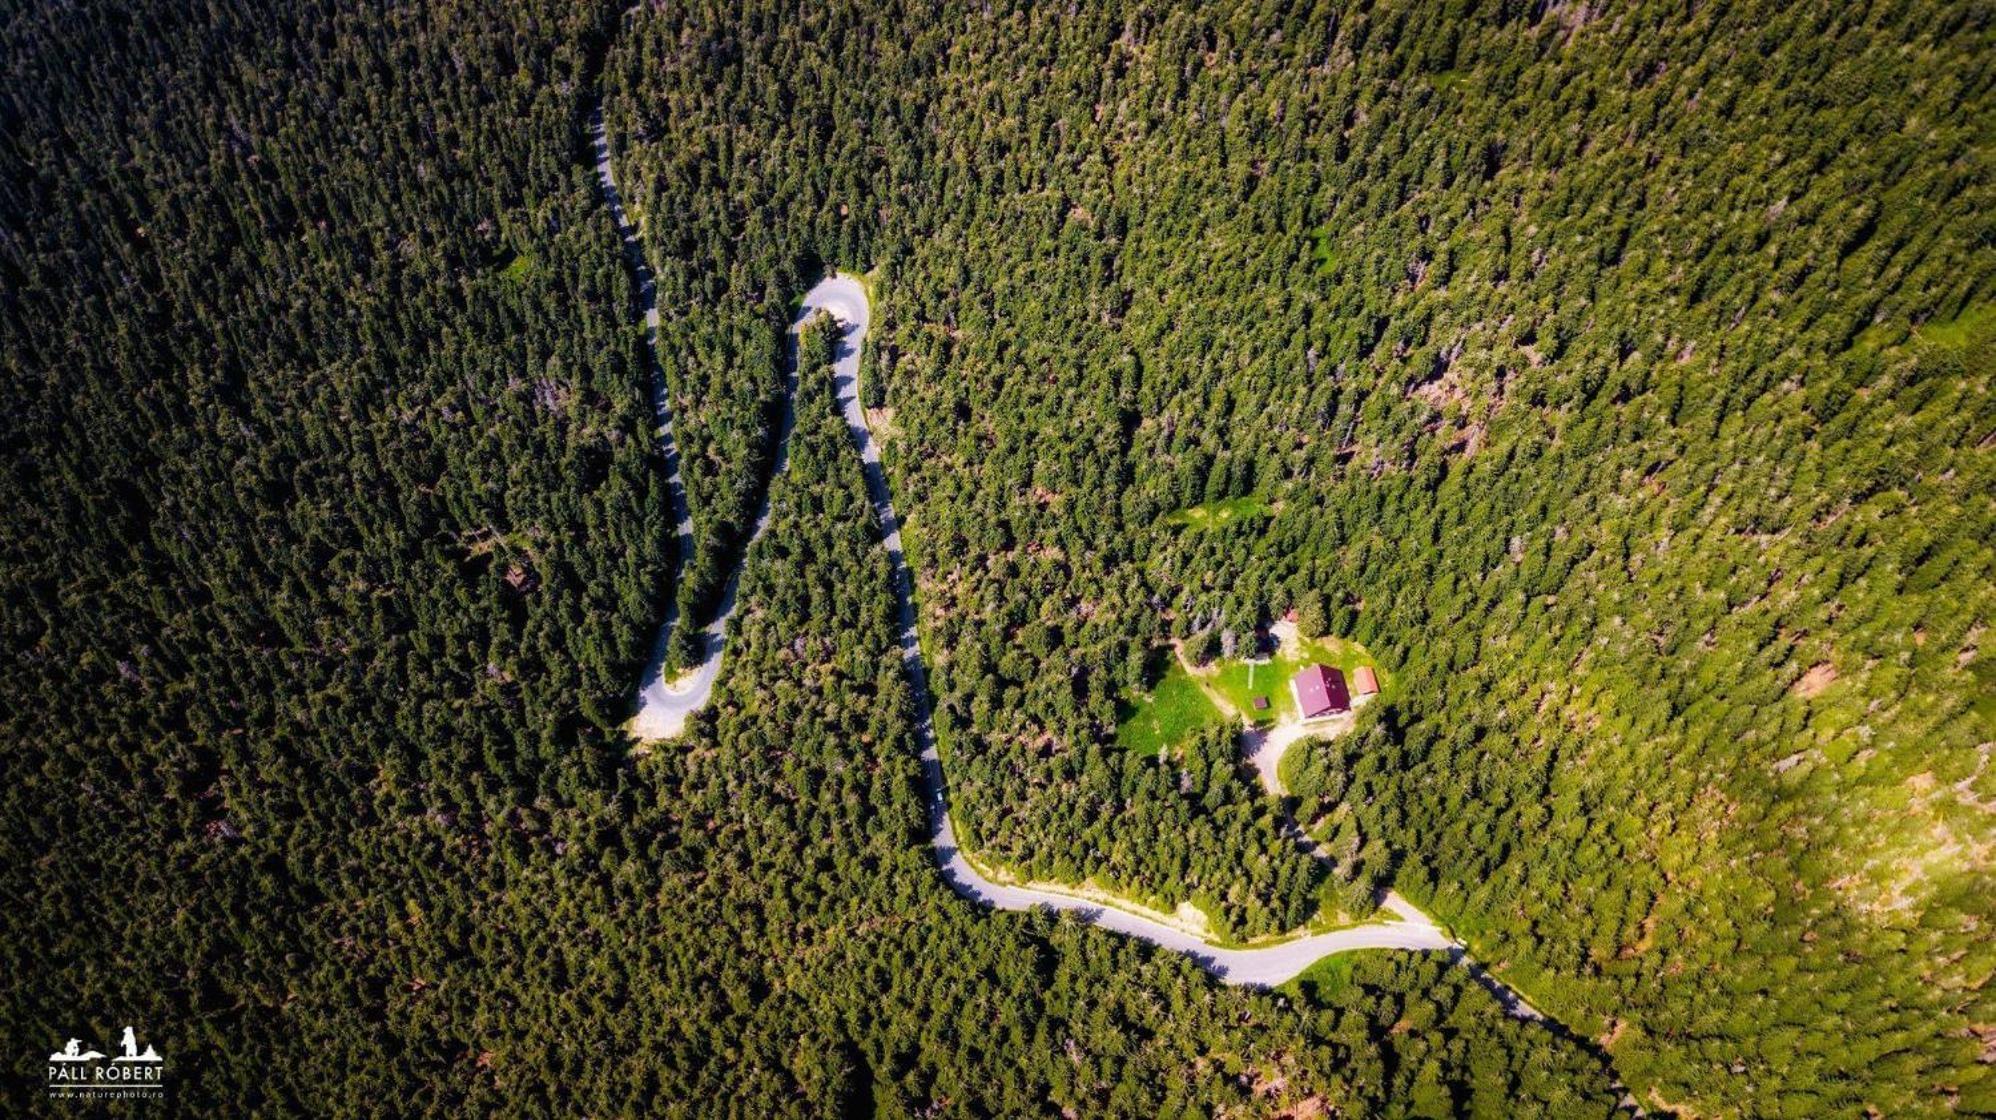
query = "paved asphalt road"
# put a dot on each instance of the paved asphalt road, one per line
(664, 706)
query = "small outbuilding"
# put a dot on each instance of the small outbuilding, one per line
(1320, 691)
(1364, 682)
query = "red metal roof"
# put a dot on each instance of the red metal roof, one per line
(1364, 681)
(1320, 691)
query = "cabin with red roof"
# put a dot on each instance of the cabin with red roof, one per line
(1320, 691)
(1364, 682)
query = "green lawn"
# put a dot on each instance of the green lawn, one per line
(520, 269)
(1214, 515)
(1173, 710)
(1179, 706)
(1240, 682)
(1331, 975)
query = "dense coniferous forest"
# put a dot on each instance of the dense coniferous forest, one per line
(334, 534)
(1619, 375)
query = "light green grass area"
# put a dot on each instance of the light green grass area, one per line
(1215, 515)
(1329, 976)
(1974, 326)
(1176, 708)
(1241, 681)
(520, 269)
(1879, 336)
(1322, 249)
(911, 540)
(1179, 705)
(1971, 333)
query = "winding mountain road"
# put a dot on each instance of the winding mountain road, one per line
(845, 300)
(665, 705)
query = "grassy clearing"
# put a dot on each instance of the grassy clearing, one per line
(1329, 976)
(1971, 335)
(1173, 710)
(1180, 704)
(1241, 681)
(1974, 326)
(522, 268)
(1968, 334)
(911, 541)
(1215, 515)
(1322, 249)
(1879, 337)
